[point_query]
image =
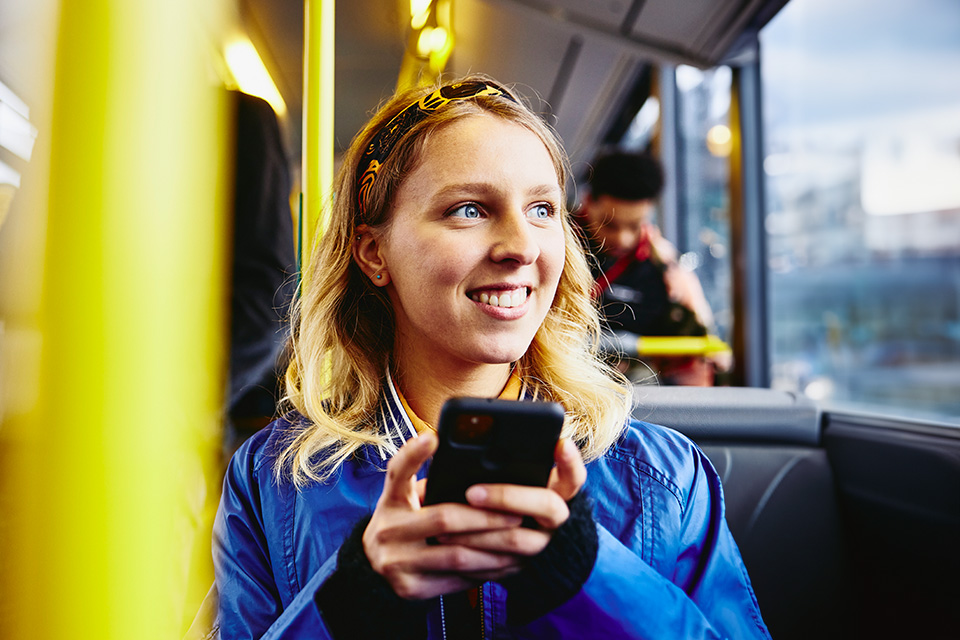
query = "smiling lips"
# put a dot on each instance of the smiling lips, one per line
(505, 299)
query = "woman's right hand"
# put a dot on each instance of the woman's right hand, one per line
(395, 540)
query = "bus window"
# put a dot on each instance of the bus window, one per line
(703, 185)
(861, 103)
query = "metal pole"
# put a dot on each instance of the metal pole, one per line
(671, 154)
(748, 236)
(132, 321)
(318, 120)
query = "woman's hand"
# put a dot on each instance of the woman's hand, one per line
(395, 540)
(547, 506)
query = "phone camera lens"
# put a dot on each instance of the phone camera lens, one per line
(472, 430)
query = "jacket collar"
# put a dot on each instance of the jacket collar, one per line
(394, 421)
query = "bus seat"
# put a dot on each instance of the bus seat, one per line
(731, 413)
(781, 503)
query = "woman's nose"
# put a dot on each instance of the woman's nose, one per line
(514, 239)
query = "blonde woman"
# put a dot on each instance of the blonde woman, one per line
(449, 269)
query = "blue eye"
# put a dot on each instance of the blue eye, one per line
(469, 211)
(540, 211)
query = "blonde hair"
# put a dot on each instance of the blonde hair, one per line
(343, 326)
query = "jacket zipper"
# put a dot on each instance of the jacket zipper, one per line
(483, 618)
(443, 620)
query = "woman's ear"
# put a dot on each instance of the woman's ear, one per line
(368, 256)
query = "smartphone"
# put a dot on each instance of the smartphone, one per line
(492, 441)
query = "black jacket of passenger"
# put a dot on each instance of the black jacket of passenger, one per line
(636, 299)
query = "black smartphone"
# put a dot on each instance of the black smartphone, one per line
(492, 441)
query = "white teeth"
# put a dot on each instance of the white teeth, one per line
(503, 300)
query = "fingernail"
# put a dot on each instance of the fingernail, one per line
(476, 493)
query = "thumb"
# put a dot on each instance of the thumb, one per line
(400, 485)
(570, 473)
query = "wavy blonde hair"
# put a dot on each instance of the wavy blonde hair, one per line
(343, 326)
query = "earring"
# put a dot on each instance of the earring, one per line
(379, 276)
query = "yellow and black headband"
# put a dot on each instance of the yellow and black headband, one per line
(386, 138)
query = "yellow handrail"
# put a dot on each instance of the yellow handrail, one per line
(678, 346)
(318, 134)
(629, 344)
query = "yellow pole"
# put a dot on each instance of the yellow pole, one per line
(318, 136)
(132, 320)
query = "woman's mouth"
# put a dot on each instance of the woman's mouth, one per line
(503, 298)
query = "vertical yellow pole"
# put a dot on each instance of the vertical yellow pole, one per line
(318, 107)
(132, 321)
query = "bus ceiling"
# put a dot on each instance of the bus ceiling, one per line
(577, 60)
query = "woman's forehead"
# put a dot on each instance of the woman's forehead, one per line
(483, 148)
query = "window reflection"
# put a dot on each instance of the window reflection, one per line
(703, 99)
(862, 164)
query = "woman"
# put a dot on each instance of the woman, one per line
(449, 269)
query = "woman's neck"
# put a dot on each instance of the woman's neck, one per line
(426, 388)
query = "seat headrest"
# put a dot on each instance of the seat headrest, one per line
(731, 413)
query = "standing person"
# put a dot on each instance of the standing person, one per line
(264, 262)
(449, 268)
(640, 285)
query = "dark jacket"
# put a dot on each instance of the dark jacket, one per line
(632, 291)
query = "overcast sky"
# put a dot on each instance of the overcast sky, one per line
(838, 60)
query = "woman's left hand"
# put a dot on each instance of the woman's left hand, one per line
(547, 506)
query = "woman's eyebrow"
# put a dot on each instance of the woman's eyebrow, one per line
(545, 190)
(487, 189)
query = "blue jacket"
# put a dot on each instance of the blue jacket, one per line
(667, 566)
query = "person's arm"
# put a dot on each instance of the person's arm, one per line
(683, 286)
(335, 603)
(385, 555)
(624, 597)
(250, 603)
(358, 603)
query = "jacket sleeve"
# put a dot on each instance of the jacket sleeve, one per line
(708, 594)
(250, 602)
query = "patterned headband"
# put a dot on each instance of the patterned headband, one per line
(386, 138)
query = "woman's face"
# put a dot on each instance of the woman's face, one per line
(475, 245)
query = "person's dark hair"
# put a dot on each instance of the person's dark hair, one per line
(626, 176)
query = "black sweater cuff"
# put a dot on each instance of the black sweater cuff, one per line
(357, 602)
(558, 572)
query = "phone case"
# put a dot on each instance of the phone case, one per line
(492, 441)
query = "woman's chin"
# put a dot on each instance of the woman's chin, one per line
(501, 353)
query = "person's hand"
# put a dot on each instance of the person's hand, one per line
(395, 540)
(683, 287)
(547, 506)
(666, 252)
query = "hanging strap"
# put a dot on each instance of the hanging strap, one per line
(643, 252)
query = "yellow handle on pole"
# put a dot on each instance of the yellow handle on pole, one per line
(678, 346)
